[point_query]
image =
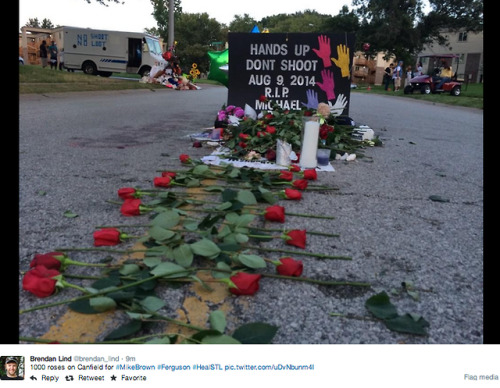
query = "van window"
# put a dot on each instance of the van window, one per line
(153, 45)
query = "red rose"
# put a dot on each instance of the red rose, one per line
(270, 155)
(244, 136)
(126, 192)
(294, 168)
(184, 158)
(261, 134)
(48, 260)
(275, 213)
(246, 283)
(269, 116)
(106, 237)
(262, 98)
(197, 144)
(169, 173)
(300, 184)
(162, 181)
(297, 238)
(286, 175)
(130, 207)
(242, 144)
(292, 194)
(308, 113)
(270, 129)
(310, 174)
(39, 281)
(290, 267)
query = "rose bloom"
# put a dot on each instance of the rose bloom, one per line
(300, 184)
(244, 136)
(294, 168)
(184, 158)
(169, 173)
(269, 116)
(39, 281)
(286, 175)
(275, 213)
(106, 237)
(162, 181)
(246, 283)
(270, 129)
(292, 194)
(262, 98)
(308, 113)
(310, 174)
(130, 207)
(238, 112)
(261, 133)
(126, 192)
(271, 154)
(242, 144)
(297, 238)
(290, 267)
(47, 260)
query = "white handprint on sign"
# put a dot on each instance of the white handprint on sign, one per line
(339, 106)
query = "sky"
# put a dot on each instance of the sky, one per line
(135, 15)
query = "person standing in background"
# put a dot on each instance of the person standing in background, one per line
(388, 76)
(409, 75)
(43, 53)
(419, 69)
(53, 51)
(397, 75)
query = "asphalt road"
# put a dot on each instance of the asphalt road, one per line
(77, 149)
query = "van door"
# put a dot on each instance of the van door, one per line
(134, 54)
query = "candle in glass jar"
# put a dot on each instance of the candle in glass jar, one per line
(309, 144)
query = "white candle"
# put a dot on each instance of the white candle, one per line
(309, 145)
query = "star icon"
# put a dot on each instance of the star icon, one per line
(113, 378)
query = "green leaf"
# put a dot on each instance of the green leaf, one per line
(255, 333)
(152, 303)
(151, 262)
(224, 206)
(380, 306)
(407, 324)
(252, 261)
(205, 248)
(437, 198)
(183, 255)
(158, 341)
(167, 219)
(124, 330)
(169, 270)
(102, 303)
(160, 234)
(82, 307)
(70, 214)
(138, 315)
(213, 188)
(218, 321)
(219, 339)
(128, 269)
(202, 170)
(246, 197)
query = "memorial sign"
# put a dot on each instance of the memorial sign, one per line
(295, 70)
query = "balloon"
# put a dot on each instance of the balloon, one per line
(217, 60)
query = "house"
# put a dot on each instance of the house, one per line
(467, 46)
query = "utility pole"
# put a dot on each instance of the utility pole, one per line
(170, 23)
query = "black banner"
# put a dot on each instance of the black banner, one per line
(295, 70)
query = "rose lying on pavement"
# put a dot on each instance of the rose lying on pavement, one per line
(246, 283)
(39, 281)
(289, 267)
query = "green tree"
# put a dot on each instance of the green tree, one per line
(194, 33)
(160, 13)
(306, 21)
(243, 23)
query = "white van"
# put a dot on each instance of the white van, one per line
(102, 52)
